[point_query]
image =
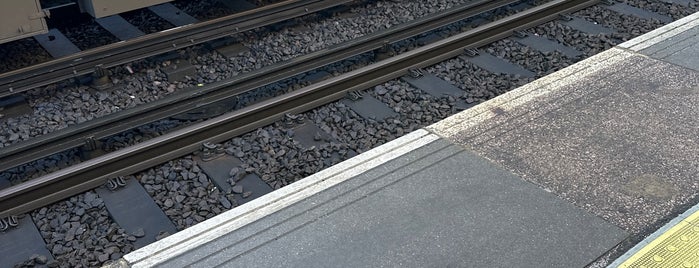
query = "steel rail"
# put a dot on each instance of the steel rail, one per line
(92, 173)
(190, 99)
(111, 55)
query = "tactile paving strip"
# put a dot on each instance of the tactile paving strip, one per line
(676, 247)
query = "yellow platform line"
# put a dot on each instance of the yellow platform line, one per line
(678, 246)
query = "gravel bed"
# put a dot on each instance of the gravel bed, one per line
(204, 9)
(586, 43)
(21, 53)
(673, 10)
(146, 21)
(478, 84)
(41, 167)
(87, 34)
(80, 233)
(529, 58)
(59, 106)
(509, 50)
(627, 25)
(70, 106)
(184, 192)
(272, 154)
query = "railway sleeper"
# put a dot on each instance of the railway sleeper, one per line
(21, 240)
(134, 210)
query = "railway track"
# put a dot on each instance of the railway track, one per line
(111, 55)
(211, 94)
(95, 172)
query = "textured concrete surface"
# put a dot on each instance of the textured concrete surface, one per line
(681, 49)
(435, 206)
(619, 141)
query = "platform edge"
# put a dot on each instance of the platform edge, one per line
(541, 87)
(669, 30)
(237, 217)
(656, 235)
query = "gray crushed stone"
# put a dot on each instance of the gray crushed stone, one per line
(79, 232)
(61, 105)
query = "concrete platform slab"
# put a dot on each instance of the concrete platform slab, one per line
(590, 132)
(426, 200)
(679, 46)
(428, 207)
(238, 217)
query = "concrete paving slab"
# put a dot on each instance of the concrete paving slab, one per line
(617, 140)
(681, 49)
(436, 206)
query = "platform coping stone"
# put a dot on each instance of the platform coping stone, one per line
(653, 37)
